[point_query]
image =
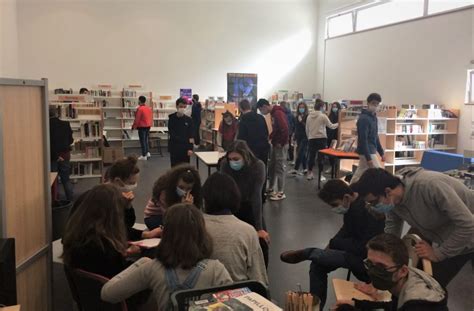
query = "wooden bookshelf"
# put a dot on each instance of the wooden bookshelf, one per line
(162, 108)
(211, 118)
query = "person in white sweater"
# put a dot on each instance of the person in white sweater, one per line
(236, 243)
(316, 124)
(182, 261)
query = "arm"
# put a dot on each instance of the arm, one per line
(362, 137)
(256, 196)
(329, 124)
(393, 224)
(221, 276)
(127, 283)
(190, 135)
(138, 117)
(256, 264)
(243, 131)
(69, 134)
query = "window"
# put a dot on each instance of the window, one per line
(436, 6)
(339, 25)
(389, 13)
(470, 87)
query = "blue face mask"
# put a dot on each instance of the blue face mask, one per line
(335, 110)
(339, 209)
(180, 192)
(383, 208)
(236, 165)
(301, 110)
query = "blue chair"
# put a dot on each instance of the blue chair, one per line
(440, 161)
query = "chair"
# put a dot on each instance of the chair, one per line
(85, 288)
(181, 299)
(410, 241)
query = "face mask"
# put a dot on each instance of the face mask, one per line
(181, 110)
(372, 108)
(228, 122)
(335, 110)
(340, 210)
(381, 278)
(236, 165)
(180, 192)
(383, 208)
(130, 187)
(301, 110)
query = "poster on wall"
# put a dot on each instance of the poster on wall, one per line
(242, 86)
(188, 93)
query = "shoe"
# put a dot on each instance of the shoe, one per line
(301, 173)
(278, 196)
(305, 171)
(268, 191)
(142, 158)
(293, 256)
(293, 172)
(328, 171)
(323, 179)
(310, 176)
(148, 155)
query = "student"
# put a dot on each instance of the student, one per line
(301, 139)
(316, 125)
(249, 174)
(291, 128)
(182, 262)
(143, 122)
(333, 133)
(196, 116)
(60, 138)
(228, 129)
(181, 184)
(181, 133)
(236, 243)
(347, 248)
(279, 139)
(411, 288)
(438, 206)
(368, 143)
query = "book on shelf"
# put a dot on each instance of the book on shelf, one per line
(101, 93)
(128, 114)
(409, 128)
(160, 115)
(90, 129)
(82, 169)
(127, 103)
(404, 113)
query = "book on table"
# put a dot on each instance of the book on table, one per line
(345, 290)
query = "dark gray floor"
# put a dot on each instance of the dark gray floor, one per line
(301, 220)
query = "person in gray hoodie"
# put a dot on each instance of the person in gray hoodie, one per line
(437, 206)
(316, 124)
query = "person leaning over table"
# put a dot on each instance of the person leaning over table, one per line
(438, 206)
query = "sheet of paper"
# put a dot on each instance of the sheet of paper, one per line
(147, 243)
(345, 290)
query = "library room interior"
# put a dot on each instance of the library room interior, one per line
(236, 155)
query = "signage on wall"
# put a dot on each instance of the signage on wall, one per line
(242, 86)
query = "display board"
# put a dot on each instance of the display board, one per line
(242, 86)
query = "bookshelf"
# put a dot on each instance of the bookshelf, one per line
(162, 108)
(84, 116)
(211, 117)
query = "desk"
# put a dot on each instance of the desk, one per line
(210, 158)
(12, 308)
(336, 155)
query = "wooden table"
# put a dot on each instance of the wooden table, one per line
(210, 158)
(337, 155)
(12, 308)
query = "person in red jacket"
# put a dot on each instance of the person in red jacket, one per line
(279, 140)
(143, 122)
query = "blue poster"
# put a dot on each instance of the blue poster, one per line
(242, 86)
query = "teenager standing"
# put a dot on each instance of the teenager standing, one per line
(143, 122)
(181, 134)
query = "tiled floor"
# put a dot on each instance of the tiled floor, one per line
(301, 220)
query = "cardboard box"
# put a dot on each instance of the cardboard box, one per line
(112, 154)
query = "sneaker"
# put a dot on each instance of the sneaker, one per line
(269, 191)
(293, 172)
(310, 176)
(142, 158)
(293, 256)
(148, 155)
(305, 171)
(328, 171)
(323, 179)
(278, 196)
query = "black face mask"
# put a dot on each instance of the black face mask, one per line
(380, 277)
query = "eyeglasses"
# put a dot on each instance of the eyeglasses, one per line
(369, 265)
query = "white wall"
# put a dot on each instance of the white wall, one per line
(419, 62)
(170, 44)
(8, 39)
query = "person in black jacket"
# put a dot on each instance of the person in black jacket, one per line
(60, 140)
(196, 116)
(347, 248)
(181, 134)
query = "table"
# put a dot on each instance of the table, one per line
(12, 308)
(336, 155)
(210, 158)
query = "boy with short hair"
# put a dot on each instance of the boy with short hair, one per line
(180, 130)
(143, 122)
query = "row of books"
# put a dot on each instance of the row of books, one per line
(67, 112)
(90, 129)
(407, 113)
(160, 123)
(129, 93)
(160, 115)
(129, 103)
(409, 128)
(81, 169)
(163, 105)
(101, 93)
(406, 143)
(437, 127)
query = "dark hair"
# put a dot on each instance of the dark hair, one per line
(189, 175)
(334, 116)
(142, 99)
(184, 241)
(97, 219)
(262, 102)
(158, 187)
(319, 104)
(391, 245)
(196, 97)
(334, 189)
(83, 90)
(181, 100)
(123, 169)
(220, 192)
(298, 110)
(374, 181)
(374, 96)
(244, 105)
(53, 111)
(227, 114)
(241, 147)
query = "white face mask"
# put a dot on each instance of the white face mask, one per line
(130, 187)
(181, 110)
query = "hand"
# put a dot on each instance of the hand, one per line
(262, 234)
(368, 289)
(128, 195)
(424, 250)
(342, 302)
(383, 158)
(155, 233)
(188, 198)
(60, 159)
(370, 164)
(190, 153)
(132, 250)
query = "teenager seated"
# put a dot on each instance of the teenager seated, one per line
(182, 261)
(236, 243)
(411, 288)
(180, 184)
(347, 248)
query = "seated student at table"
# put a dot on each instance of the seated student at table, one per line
(347, 248)
(235, 242)
(438, 206)
(249, 174)
(182, 261)
(411, 288)
(180, 184)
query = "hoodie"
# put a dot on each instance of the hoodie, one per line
(440, 207)
(316, 124)
(367, 135)
(280, 133)
(253, 129)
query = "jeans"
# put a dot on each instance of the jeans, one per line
(302, 155)
(143, 134)
(64, 171)
(314, 145)
(291, 150)
(363, 166)
(445, 270)
(153, 222)
(324, 261)
(276, 167)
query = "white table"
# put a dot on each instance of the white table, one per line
(210, 158)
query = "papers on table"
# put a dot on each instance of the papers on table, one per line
(147, 243)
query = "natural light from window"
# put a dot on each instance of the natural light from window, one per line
(340, 25)
(436, 6)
